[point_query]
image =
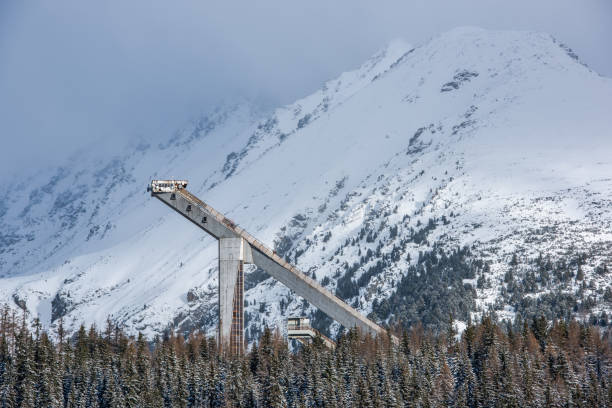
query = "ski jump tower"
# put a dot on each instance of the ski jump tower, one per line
(236, 248)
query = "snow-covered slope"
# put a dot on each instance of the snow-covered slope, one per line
(498, 141)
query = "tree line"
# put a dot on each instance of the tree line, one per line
(563, 364)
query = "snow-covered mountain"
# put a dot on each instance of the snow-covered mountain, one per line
(471, 173)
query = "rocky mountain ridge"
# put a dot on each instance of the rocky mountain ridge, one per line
(470, 174)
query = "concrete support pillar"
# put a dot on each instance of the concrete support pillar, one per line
(233, 254)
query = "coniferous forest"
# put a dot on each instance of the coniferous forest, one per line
(566, 364)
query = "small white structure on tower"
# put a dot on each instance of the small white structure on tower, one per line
(299, 328)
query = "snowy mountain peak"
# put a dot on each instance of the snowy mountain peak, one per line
(465, 175)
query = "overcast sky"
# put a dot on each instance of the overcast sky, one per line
(74, 72)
